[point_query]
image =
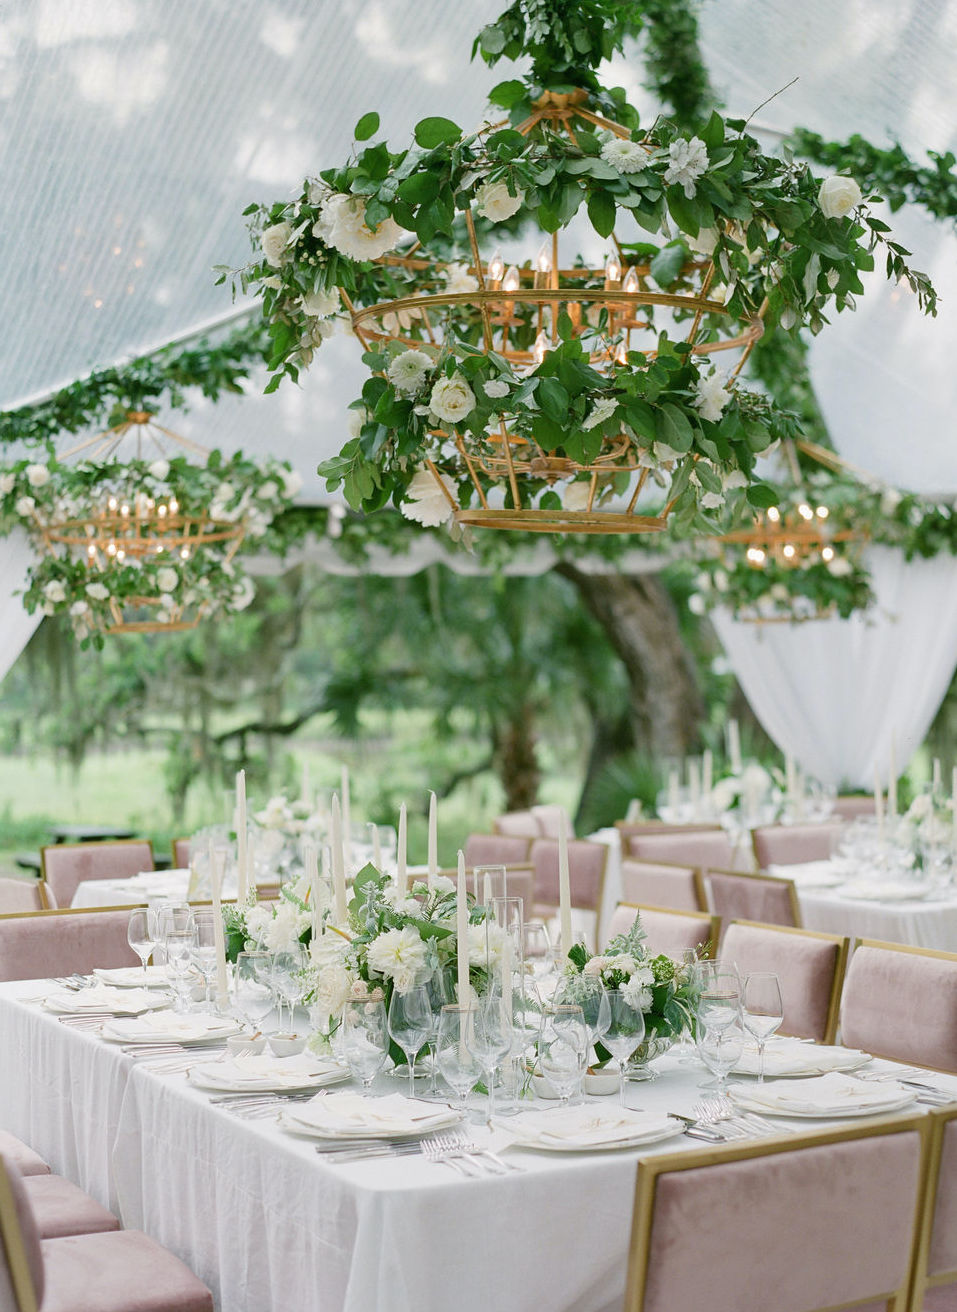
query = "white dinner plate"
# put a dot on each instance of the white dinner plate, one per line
(170, 1027)
(585, 1130)
(263, 1073)
(351, 1116)
(101, 998)
(134, 977)
(788, 1059)
(824, 1097)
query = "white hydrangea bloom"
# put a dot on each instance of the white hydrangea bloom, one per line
(407, 372)
(688, 160)
(37, 475)
(54, 591)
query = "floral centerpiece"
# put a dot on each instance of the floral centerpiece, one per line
(281, 827)
(927, 828)
(746, 792)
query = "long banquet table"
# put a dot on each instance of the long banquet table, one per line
(269, 1226)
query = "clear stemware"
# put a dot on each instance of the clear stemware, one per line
(490, 1038)
(363, 1041)
(441, 991)
(204, 951)
(288, 980)
(626, 1029)
(179, 965)
(252, 987)
(562, 1046)
(410, 1023)
(720, 1049)
(762, 1010)
(140, 936)
(459, 1068)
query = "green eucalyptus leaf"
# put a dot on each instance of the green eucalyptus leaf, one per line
(367, 126)
(432, 132)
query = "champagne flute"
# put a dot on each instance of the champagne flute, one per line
(410, 1023)
(626, 1029)
(364, 1039)
(140, 936)
(762, 1010)
(490, 1038)
(459, 1068)
(562, 1045)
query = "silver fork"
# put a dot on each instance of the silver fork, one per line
(449, 1149)
(741, 1125)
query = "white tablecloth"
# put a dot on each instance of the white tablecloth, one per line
(148, 886)
(924, 923)
(272, 1228)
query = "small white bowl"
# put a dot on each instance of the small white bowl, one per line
(286, 1045)
(600, 1083)
(243, 1045)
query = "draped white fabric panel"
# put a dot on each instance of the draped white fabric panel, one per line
(841, 695)
(16, 626)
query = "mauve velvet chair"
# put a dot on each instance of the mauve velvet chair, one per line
(666, 931)
(734, 895)
(901, 1002)
(784, 1225)
(586, 872)
(53, 943)
(116, 1271)
(181, 848)
(695, 847)
(519, 882)
(517, 824)
(549, 820)
(935, 1280)
(789, 845)
(851, 807)
(497, 849)
(65, 865)
(61, 1208)
(21, 1156)
(23, 895)
(659, 885)
(810, 967)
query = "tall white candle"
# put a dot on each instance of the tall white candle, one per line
(707, 772)
(734, 746)
(216, 864)
(694, 785)
(338, 867)
(486, 890)
(433, 841)
(242, 855)
(879, 802)
(305, 795)
(462, 935)
(790, 779)
(376, 846)
(346, 820)
(892, 782)
(400, 851)
(310, 865)
(564, 887)
(953, 803)
(673, 786)
(935, 781)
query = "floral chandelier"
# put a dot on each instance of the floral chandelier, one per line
(542, 390)
(145, 543)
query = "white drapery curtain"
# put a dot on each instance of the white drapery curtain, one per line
(842, 696)
(16, 626)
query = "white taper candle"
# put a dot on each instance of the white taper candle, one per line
(564, 886)
(242, 854)
(433, 841)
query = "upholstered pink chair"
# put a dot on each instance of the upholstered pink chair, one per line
(803, 1224)
(497, 849)
(67, 864)
(549, 820)
(519, 882)
(810, 967)
(734, 895)
(23, 895)
(789, 845)
(668, 932)
(901, 1002)
(852, 807)
(53, 943)
(517, 824)
(935, 1280)
(694, 847)
(21, 1156)
(586, 872)
(181, 847)
(659, 885)
(115, 1271)
(60, 1208)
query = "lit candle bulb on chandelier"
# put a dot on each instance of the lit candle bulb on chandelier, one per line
(124, 509)
(540, 347)
(512, 280)
(774, 514)
(161, 511)
(805, 511)
(827, 554)
(185, 553)
(755, 556)
(173, 505)
(543, 266)
(621, 353)
(630, 283)
(788, 551)
(612, 270)
(496, 268)
(822, 512)
(112, 503)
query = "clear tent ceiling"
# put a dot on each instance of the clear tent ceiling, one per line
(134, 132)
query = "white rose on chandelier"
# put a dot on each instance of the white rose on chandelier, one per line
(166, 578)
(494, 201)
(319, 305)
(159, 469)
(705, 241)
(275, 240)
(688, 160)
(407, 372)
(711, 396)
(625, 156)
(243, 594)
(426, 502)
(458, 279)
(452, 399)
(575, 497)
(37, 475)
(54, 591)
(291, 481)
(97, 591)
(838, 196)
(7, 483)
(343, 225)
(839, 567)
(25, 506)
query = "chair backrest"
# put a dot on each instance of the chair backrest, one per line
(834, 1217)
(659, 885)
(517, 824)
(735, 895)
(496, 849)
(850, 808)
(586, 872)
(690, 847)
(42, 944)
(901, 1002)
(21, 1257)
(65, 865)
(810, 967)
(519, 882)
(666, 931)
(937, 1251)
(22, 895)
(789, 845)
(549, 820)
(181, 852)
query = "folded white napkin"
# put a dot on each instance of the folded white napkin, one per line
(169, 1025)
(101, 997)
(133, 977)
(784, 1056)
(810, 874)
(587, 1128)
(885, 890)
(256, 1071)
(338, 1112)
(824, 1095)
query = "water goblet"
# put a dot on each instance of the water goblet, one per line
(490, 1038)
(252, 987)
(170, 916)
(363, 1042)
(410, 1023)
(459, 1068)
(626, 1029)
(179, 965)
(562, 1047)
(762, 1010)
(589, 993)
(288, 980)
(441, 992)
(140, 936)
(720, 1049)
(204, 951)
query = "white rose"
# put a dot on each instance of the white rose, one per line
(274, 243)
(442, 884)
(705, 241)
(459, 280)
(625, 156)
(697, 604)
(425, 501)
(25, 506)
(97, 591)
(575, 497)
(291, 482)
(269, 490)
(342, 225)
(166, 578)
(495, 388)
(80, 608)
(321, 304)
(407, 371)
(7, 483)
(54, 591)
(452, 399)
(333, 988)
(839, 567)
(495, 202)
(838, 196)
(159, 469)
(720, 581)
(37, 475)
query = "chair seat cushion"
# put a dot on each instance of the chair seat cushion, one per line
(19, 1155)
(124, 1271)
(61, 1208)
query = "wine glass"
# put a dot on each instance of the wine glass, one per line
(762, 1010)
(720, 1049)
(204, 951)
(562, 1046)
(456, 1061)
(363, 1041)
(589, 993)
(490, 1038)
(252, 987)
(441, 992)
(179, 965)
(626, 1029)
(140, 936)
(171, 916)
(410, 1023)
(288, 980)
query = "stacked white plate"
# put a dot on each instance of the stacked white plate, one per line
(170, 1027)
(103, 998)
(351, 1116)
(134, 977)
(585, 1129)
(794, 1058)
(263, 1073)
(827, 1096)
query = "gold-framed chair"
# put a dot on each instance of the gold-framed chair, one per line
(64, 941)
(749, 895)
(934, 1287)
(660, 884)
(24, 895)
(683, 845)
(667, 931)
(66, 865)
(789, 845)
